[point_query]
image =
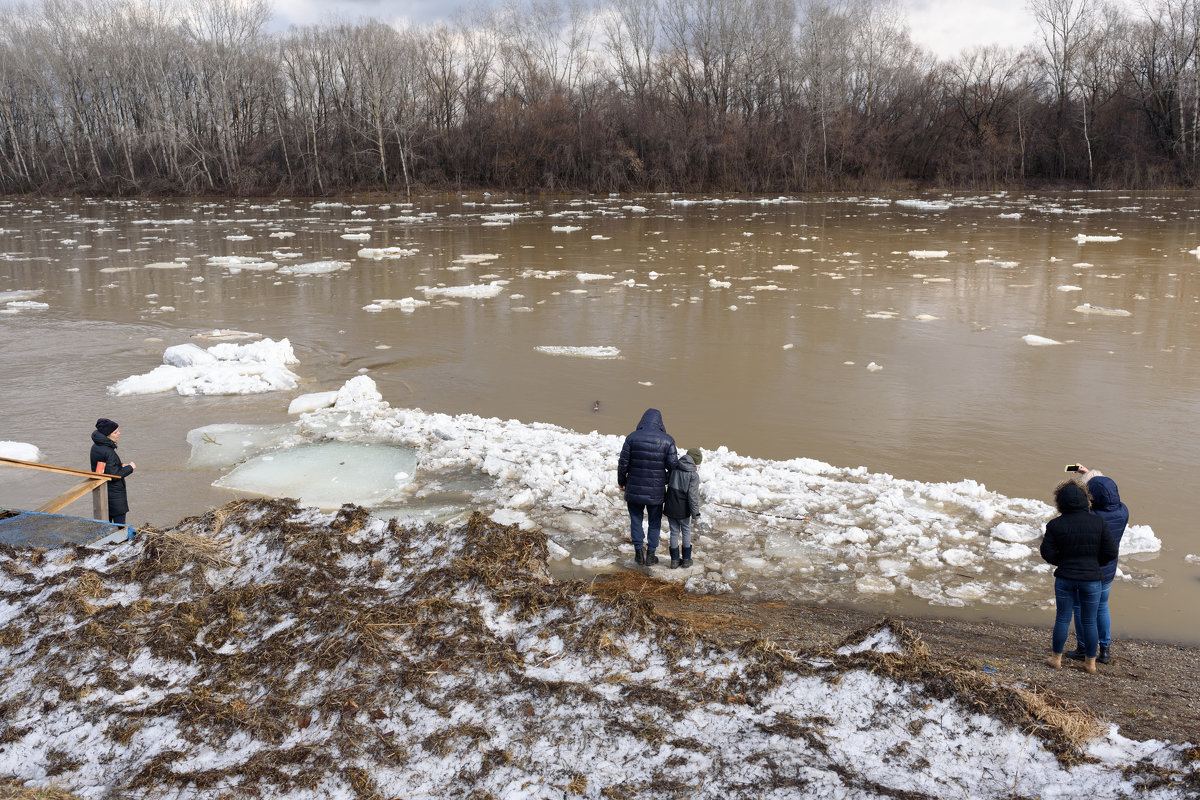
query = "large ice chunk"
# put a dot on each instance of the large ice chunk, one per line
(327, 474)
(22, 451)
(224, 444)
(226, 368)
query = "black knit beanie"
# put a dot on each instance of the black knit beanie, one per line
(106, 426)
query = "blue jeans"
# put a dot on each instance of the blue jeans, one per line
(1103, 618)
(636, 512)
(1066, 594)
(681, 530)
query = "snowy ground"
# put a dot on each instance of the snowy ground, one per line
(301, 655)
(800, 529)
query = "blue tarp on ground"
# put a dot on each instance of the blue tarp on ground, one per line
(35, 529)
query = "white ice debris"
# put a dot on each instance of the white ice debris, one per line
(565, 228)
(929, 253)
(924, 205)
(226, 444)
(478, 290)
(584, 277)
(1192, 558)
(1088, 308)
(873, 367)
(1069, 288)
(476, 258)
(311, 402)
(767, 521)
(1083, 237)
(380, 253)
(1038, 341)
(406, 304)
(314, 267)
(26, 305)
(580, 352)
(1139, 539)
(716, 284)
(225, 368)
(18, 295)
(22, 451)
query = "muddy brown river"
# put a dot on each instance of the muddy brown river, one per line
(934, 337)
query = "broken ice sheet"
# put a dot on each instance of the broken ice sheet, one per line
(226, 444)
(327, 474)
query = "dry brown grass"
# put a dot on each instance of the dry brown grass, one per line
(13, 790)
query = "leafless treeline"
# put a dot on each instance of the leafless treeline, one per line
(196, 96)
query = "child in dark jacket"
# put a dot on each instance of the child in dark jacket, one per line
(682, 507)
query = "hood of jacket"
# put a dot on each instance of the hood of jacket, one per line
(686, 463)
(1104, 493)
(652, 421)
(1072, 498)
(102, 440)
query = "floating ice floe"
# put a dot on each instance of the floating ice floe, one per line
(716, 284)
(226, 444)
(356, 237)
(254, 263)
(925, 317)
(327, 474)
(14, 306)
(584, 277)
(1192, 558)
(311, 402)
(476, 258)
(873, 367)
(17, 295)
(929, 253)
(380, 253)
(580, 352)
(238, 237)
(1083, 237)
(478, 290)
(167, 265)
(925, 205)
(1088, 308)
(1069, 288)
(314, 267)
(222, 369)
(1038, 341)
(22, 451)
(406, 304)
(565, 228)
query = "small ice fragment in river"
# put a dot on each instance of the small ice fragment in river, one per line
(356, 237)
(327, 474)
(22, 451)
(925, 317)
(483, 290)
(166, 265)
(27, 305)
(924, 205)
(873, 367)
(874, 584)
(1069, 288)
(314, 267)
(1012, 532)
(785, 267)
(1191, 558)
(311, 402)
(929, 253)
(580, 352)
(1081, 238)
(187, 355)
(788, 346)
(716, 284)
(1088, 308)
(407, 304)
(380, 253)
(645, 383)
(239, 237)
(1038, 341)
(592, 276)
(20, 294)
(565, 228)
(475, 258)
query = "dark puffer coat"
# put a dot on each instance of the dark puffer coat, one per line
(646, 457)
(1077, 541)
(1106, 504)
(104, 450)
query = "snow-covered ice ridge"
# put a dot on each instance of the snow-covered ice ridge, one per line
(799, 528)
(305, 656)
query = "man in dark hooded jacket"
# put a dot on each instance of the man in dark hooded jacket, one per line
(103, 458)
(648, 454)
(1106, 504)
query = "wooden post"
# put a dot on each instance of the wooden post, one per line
(100, 502)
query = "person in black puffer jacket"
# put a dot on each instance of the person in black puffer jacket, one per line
(648, 454)
(1078, 543)
(103, 458)
(1106, 504)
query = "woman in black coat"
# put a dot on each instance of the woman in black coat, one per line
(1077, 542)
(103, 458)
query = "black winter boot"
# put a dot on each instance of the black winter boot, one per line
(651, 558)
(639, 555)
(674, 558)
(1078, 654)
(687, 557)
(1105, 657)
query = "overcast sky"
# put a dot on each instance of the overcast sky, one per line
(943, 26)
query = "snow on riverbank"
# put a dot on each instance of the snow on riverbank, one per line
(268, 648)
(799, 528)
